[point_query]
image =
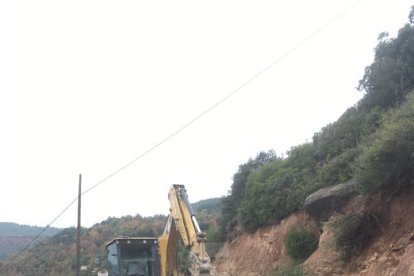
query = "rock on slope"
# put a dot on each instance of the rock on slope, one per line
(390, 251)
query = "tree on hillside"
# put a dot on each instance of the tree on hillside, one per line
(238, 187)
(278, 188)
(231, 203)
(388, 79)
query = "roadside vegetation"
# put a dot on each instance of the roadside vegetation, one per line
(372, 142)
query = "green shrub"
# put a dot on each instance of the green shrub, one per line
(388, 161)
(300, 244)
(338, 169)
(351, 233)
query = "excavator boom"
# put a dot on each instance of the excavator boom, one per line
(183, 223)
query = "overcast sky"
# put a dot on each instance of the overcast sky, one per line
(88, 86)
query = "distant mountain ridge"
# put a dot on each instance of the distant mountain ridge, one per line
(211, 205)
(10, 229)
(14, 237)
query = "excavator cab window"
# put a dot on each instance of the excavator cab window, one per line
(133, 257)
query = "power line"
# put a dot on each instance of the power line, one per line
(37, 236)
(192, 121)
(226, 97)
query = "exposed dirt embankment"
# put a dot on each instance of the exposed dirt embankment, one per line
(389, 252)
(261, 252)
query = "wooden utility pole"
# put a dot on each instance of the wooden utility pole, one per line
(79, 228)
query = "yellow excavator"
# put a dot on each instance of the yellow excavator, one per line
(144, 256)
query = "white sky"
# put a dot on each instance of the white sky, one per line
(87, 86)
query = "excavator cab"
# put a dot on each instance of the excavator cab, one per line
(133, 257)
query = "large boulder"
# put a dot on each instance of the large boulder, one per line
(324, 202)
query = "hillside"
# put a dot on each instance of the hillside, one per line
(389, 251)
(371, 142)
(354, 180)
(211, 205)
(14, 237)
(8, 229)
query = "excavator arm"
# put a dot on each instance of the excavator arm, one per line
(182, 222)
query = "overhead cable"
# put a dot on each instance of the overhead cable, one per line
(190, 122)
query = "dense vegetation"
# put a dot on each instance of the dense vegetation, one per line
(372, 141)
(388, 160)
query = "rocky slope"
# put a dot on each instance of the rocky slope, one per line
(389, 251)
(261, 252)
